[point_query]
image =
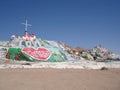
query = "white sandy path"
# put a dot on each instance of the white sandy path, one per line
(63, 65)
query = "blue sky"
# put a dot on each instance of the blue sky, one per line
(84, 23)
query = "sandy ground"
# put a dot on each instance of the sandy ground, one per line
(59, 79)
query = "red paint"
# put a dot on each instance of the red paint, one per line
(40, 54)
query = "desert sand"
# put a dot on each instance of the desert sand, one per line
(59, 79)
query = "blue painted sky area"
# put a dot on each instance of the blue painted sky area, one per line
(84, 23)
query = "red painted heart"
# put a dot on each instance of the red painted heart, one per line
(40, 54)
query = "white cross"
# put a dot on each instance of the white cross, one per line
(26, 25)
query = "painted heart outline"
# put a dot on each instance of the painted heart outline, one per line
(40, 53)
